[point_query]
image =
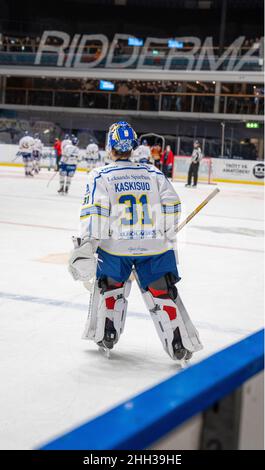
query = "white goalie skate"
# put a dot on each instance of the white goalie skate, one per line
(177, 333)
(106, 315)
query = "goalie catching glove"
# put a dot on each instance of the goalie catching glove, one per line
(83, 262)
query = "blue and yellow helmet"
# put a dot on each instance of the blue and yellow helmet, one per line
(121, 138)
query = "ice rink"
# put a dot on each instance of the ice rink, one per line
(51, 380)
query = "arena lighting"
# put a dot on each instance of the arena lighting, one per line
(135, 42)
(106, 85)
(173, 43)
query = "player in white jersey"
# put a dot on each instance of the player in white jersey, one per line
(129, 219)
(92, 154)
(65, 141)
(26, 147)
(142, 154)
(37, 152)
(68, 164)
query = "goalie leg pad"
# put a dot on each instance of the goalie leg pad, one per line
(108, 308)
(172, 322)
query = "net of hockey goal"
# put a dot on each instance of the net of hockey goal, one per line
(181, 168)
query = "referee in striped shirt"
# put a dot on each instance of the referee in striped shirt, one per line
(194, 165)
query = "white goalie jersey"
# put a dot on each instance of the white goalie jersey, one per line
(131, 208)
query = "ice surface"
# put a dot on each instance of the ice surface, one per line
(51, 380)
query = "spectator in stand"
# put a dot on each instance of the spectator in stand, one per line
(97, 54)
(133, 97)
(27, 44)
(58, 152)
(166, 161)
(178, 98)
(37, 43)
(156, 152)
(123, 91)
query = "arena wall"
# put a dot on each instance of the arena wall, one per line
(214, 170)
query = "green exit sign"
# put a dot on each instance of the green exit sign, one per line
(253, 125)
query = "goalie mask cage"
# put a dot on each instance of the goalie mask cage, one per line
(181, 168)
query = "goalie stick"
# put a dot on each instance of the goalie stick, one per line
(198, 208)
(18, 154)
(50, 180)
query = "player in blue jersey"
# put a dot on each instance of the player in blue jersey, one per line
(129, 219)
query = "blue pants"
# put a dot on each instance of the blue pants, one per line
(27, 157)
(67, 169)
(148, 268)
(36, 155)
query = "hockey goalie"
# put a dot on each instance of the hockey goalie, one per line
(129, 219)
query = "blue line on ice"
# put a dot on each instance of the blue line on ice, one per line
(43, 301)
(84, 308)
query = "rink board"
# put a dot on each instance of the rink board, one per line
(181, 168)
(149, 416)
(211, 171)
(221, 170)
(8, 157)
(21, 165)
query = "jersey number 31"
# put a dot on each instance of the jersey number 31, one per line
(136, 208)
